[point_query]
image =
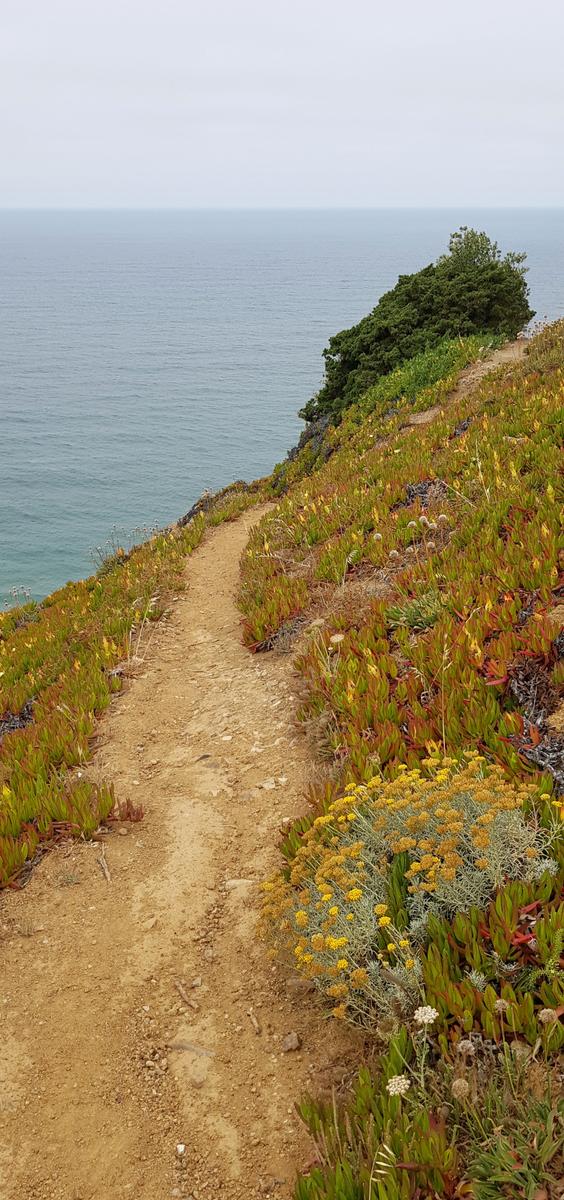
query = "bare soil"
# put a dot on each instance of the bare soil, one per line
(473, 375)
(142, 1023)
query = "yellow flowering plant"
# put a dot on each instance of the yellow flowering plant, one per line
(354, 905)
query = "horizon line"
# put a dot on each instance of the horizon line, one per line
(280, 208)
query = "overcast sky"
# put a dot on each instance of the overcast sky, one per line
(281, 103)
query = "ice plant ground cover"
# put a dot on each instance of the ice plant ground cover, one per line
(421, 565)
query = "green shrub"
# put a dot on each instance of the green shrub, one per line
(472, 289)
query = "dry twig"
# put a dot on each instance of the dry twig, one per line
(104, 866)
(255, 1024)
(185, 997)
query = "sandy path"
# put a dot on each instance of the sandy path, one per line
(473, 375)
(104, 1067)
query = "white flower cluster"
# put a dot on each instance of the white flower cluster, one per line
(465, 1046)
(425, 1015)
(548, 1016)
(460, 1089)
(398, 1085)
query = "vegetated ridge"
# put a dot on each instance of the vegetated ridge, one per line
(409, 559)
(423, 895)
(470, 290)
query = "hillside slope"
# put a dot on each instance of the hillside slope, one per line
(411, 562)
(418, 570)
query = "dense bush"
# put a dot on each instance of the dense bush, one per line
(472, 289)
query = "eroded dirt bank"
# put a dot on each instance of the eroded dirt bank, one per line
(139, 1015)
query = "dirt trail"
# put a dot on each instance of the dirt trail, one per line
(139, 1014)
(469, 378)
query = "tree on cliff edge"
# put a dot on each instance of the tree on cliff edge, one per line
(471, 289)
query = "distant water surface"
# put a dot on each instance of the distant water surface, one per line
(145, 356)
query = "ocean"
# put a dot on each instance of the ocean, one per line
(145, 355)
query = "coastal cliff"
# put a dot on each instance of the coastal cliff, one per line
(399, 592)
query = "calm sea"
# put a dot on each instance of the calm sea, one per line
(145, 356)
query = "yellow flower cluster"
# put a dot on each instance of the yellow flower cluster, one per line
(434, 817)
(334, 912)
(331, 943)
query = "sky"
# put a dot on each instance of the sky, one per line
(293, 103)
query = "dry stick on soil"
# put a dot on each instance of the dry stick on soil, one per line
(185, 997)
(105, 867)
(134, 656)
(255, 1024)
(182, 1045)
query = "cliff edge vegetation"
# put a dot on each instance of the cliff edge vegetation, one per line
(470, 289)
(420, 570)
(409, 558)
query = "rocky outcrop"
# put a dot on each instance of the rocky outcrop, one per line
(208, 498)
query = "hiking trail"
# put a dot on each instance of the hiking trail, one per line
(139, 1013)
